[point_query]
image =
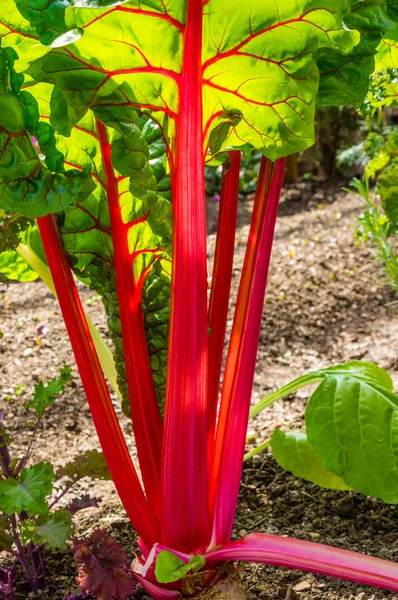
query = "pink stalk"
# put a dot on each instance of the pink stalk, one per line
(105, 420)
(221, 285)
(147, 422)
(308, 556)
(241, 361)
(185, 518)
(156, 591)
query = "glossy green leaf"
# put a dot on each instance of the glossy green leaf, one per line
(352, 425)
(26, 186)
(29, 491)
(15, 267)
(345, 79)
(170, 568)
(293, 453)
(249, 44)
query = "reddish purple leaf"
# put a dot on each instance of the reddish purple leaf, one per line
(103, 567)
(86, 501)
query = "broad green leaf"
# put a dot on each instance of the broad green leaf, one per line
(345, 80)
(388, 189)
(170, 568)
(244, 45)
(293, 453)
(46, 394)
(26, 186)
(387, 56)
(15, 267)
(29, 491)
(352, 425)
(6, 539)
(53, 529)
(89, 464)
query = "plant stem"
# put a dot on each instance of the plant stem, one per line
(147, 422)
(185, 518)
(64, 491)
(221, 285)
(103, 350)
(286, 390)
(257, 450)
(105, 420)
(21, 554)
(242, 352)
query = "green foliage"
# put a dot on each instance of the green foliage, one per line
(89, 464)
(51, 529)
(28, 491)
(351, 436)
(46, 394)
(293, 453)
(170, 568)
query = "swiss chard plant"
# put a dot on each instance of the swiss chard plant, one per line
(31, 521)
(109, 111)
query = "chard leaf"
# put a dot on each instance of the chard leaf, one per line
(28, 492)
(26, 186)
(293, 453)
(138, 158)
(247, 46)
(46, 394)
(15, 267)
(170, 568)
(89, 464)
(345, 79)
(352, 425)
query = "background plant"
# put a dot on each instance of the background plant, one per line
(30, 520)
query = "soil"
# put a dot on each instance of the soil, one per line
(326, 304)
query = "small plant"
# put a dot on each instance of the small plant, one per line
(351, 423)
(30, 520)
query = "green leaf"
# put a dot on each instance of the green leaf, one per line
(89, 464)
(293, 453)
(46, 394)
(170, 568)
(53, 529)
(345, 79)
(388, 189)
(28, 492)
(12, 227)
(15, 267)
(244, 44)
(26, 186)
(352, 425)
(6, 539)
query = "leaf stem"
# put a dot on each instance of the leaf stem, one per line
(221, 284)
(185, 518)
(147, 422)
(242, 352)
(105, 420)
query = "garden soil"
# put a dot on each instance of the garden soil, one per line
(326, 304)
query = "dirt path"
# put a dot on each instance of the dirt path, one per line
(325, 305)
